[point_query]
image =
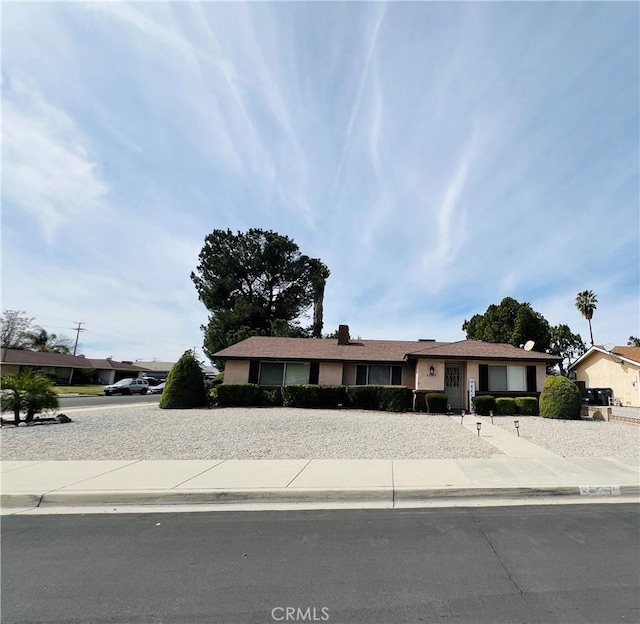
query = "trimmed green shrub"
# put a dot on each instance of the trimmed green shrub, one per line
(184, 387)
(364, 397)
(527, 405)
(560, 398)
(238, 395)
(272, 398)
(312, 395)
(395, 399)
(437, 402)
(213, 396)
(484, 404)
(505, 406)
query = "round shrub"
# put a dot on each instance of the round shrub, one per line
(560, 398)
(505, 406)
(483, 404)
(185, 385)
(437, 402)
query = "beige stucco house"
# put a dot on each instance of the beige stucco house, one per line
(618, 369)
(460, 369)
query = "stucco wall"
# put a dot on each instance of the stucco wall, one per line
(330, 373)
(603, 371)
(236, 372)
(424, 381)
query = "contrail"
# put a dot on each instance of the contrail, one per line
(356, 105)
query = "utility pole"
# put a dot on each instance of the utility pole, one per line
(78, 330)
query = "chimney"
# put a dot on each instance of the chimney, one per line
(343, 334)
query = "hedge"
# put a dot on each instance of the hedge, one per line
(239, 395)
(437, 402)
(527, 405)
(395, 399)
(484, 404)
(364, 397)
(560, 398)
(505, 406)
(311, 395)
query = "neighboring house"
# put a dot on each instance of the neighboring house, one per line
(60, 366)
(160, 370)
(618, 369)
(422, 365)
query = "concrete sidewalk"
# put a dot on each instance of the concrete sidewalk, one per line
(519, 471)
(361, 483)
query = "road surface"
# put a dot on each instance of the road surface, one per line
(565, 564)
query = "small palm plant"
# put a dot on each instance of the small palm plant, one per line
(27, 393)
(586, 303)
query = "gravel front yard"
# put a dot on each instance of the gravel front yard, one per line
(243, 433)
(577, 438)
(278, 433)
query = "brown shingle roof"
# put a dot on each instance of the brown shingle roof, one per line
(265, 347)
(42, 358)
(478, 350)
(631, 353)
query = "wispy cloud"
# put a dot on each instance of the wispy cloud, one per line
(48, 169)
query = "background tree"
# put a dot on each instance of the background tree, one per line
(633, 341)
(567, 345)
(15, 327)
(27, 393)
(41, 340)
(510, 322)
(184, 387)
(586, 303)
(256, 283)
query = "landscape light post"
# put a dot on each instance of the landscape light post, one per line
(491, 414)
(517, 424)
(478, 425)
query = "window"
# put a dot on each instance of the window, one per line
(507, 379)
(284, 373)
(378, 375)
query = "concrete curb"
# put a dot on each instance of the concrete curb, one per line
(381, 495)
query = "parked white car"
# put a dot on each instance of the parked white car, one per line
(128, 386)
(157, 389)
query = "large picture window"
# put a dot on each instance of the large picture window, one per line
(507, 379)
(378, 375)
(284, 373)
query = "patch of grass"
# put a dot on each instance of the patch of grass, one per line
(79, 389)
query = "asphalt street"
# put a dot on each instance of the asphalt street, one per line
(104, 401)
(560, 564)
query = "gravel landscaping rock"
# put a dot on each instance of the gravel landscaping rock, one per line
(131, 433)
(577, 438)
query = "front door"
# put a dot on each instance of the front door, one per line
(453, 385)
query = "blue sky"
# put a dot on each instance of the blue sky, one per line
(436, 156)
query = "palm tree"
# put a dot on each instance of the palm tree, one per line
(27, 393)
(318, 276)
(586, 303)
(42, 340)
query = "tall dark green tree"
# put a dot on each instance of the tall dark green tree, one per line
(567, 345)
(256, 283)
(510, 322)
